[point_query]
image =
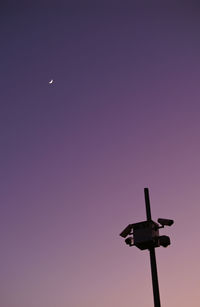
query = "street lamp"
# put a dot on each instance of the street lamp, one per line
(145, 235)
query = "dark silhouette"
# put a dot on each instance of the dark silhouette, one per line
(145, 235)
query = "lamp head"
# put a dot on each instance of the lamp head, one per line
(165, 222)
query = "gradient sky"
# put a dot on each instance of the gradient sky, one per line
(122, 114)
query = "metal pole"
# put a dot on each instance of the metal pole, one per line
(154, 273)
(147, 202)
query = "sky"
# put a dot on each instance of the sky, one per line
(122, 114)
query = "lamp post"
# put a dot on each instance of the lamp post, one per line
(145, 235)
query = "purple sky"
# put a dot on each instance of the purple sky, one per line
(122, 114)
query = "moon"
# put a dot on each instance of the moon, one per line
(51, 81)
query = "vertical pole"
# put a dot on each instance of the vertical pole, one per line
(147, 202)
(154, 273)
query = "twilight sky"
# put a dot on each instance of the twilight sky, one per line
(122, 114)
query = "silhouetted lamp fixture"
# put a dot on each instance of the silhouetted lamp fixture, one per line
(145, 235)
